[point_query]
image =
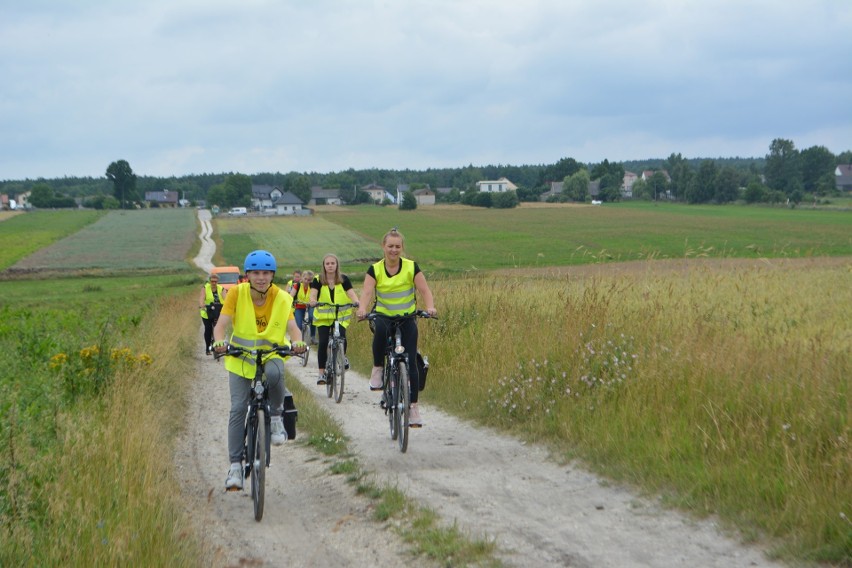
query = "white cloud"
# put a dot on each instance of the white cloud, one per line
(190, 87)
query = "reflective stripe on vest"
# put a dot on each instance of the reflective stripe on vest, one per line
(245, 328)
(395, 294)
(324, 315)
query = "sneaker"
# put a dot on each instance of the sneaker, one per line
(376, 383)
(414, 420)
(346, 363)
(235, 477)
(321, 379)
(279, 435)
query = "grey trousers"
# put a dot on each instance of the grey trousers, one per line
(240, 396)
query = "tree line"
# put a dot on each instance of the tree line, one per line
(784, 174)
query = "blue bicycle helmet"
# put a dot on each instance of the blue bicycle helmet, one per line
(260, 260)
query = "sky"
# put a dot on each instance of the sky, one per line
(179, 87)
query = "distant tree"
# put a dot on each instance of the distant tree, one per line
(783, 168)
(102, 202)
(560, 170)
(299, 185)
(817, 161)
(844, 157)
(680, 173)
(826, 185)
(658, 185)
(755, 192)
(409, 202)
(41, 196)
(504, 200)
(216, 195)
(123, 181)
(642, 190)
(238, 190)
(576, 186)
(726, 186)
(702, 187)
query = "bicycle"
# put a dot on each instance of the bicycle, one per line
(306, 335)
(258, 435)
(335, 364)
(396, 393)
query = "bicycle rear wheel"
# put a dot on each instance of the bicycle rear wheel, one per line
(258, 464)
(339, 367)
(403, 406)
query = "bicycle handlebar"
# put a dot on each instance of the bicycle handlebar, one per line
(418, 314)
(236, 350)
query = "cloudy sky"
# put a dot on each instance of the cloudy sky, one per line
(206, 86)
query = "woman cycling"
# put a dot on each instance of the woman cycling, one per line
(330, 287)
(394, 281)
(301, 292)
(261, 315)
(210, 303)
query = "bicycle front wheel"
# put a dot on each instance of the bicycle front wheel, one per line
(403, 406)
(306, 337)
(258, 466)
(339, 367)
(329, 369)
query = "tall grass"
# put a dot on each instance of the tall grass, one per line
(87, 422)
(725, 392)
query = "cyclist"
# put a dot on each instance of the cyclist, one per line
(293, 282)
(210, 303)
(394, 281)
(261, 315)
(301, 293)
(330, 287)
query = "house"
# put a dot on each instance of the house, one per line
(555, 189)
(163, 198)
(4, 202)
(320, 196)
(646, 175)
(376, 192)
(627, 183)
(288, 204)
(424, 196)
(263, 197)
(496, 186)
(843, 177)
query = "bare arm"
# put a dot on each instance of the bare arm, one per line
(202, 297)
(366, 296)
(353, 297)
(220, 330)
(425, 293)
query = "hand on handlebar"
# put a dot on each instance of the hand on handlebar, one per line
(220, 347)
(298, 347)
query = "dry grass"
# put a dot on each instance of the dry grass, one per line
(725, 389)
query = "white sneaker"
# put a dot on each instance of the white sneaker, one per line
(235, 477)
(279, 434)
(376, 378)
(414, 420)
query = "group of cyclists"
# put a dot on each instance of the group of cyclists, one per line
(259, 313)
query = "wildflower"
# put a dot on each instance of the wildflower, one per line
(58, 360)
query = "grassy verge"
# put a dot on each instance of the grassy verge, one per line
(725, 391)
(87, 411)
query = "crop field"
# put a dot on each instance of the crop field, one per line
(24, 234)
(156, 239)
(297, 242)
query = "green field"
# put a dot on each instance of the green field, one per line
(24, 234)
(461, 239)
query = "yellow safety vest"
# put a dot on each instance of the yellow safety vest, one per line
(395, 294)
(303, 294)
(245, 332)
(324, 315)
(208, 296)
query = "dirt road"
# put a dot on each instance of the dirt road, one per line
(538, 512)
